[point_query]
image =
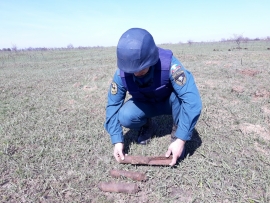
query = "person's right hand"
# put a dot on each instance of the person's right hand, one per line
(118, 151)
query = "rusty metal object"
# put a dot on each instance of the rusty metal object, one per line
(129, 174)
(142, 160)
(129, 188)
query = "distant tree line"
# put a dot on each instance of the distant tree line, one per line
(238, 39)
(70, 46)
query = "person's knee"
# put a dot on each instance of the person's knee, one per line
(125, 118)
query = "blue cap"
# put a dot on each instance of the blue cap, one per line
(136, 50)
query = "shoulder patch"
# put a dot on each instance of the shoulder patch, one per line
(179, 77)
(174, 68)
(114, 88)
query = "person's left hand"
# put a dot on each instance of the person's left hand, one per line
(176, 148)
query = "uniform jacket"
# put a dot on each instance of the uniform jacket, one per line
(169, 80)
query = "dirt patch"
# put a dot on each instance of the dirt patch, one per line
(228, 65)
(260, 149)
(71, 102)
(88, 88)
(265, 110)
(212, 63)
(181, 195)
(249, 72)
(210, 83)
(77, 85)
(261, 93)
(238, 89)
(247, 128)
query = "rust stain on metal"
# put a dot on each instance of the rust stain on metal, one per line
(155, 160)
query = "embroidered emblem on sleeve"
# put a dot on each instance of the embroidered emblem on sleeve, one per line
(113, 88)
(180, 77)
(174, 68)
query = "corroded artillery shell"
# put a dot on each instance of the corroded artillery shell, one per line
(130, 188)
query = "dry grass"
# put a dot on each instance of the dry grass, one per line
(53, 147)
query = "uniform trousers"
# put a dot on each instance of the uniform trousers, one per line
(134, 114)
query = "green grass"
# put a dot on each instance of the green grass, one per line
(53, 146)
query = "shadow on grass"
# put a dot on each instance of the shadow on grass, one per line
(164, 124)
(193, 144)
(130, 138)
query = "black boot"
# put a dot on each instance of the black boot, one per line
(146, 132)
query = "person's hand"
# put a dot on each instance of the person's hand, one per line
(176, 148)
(118, 151)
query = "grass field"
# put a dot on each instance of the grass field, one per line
(53, 146)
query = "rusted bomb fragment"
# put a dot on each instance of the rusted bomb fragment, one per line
(129, 188)
(155, 160)
(129, 174)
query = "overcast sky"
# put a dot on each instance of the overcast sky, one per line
(57, 23)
